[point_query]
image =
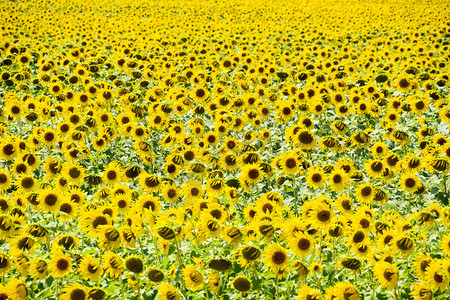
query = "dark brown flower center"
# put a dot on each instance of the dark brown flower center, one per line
(62, 264)
(323, 215)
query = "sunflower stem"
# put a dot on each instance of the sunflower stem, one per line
(316, 278)
(180, 263)
(396, 293)
(276, 287)
(295, 195)
(373, 286)
(444, 182)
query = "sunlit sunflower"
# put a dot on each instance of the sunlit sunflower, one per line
(113, 264)
(90, 268)
(304, 139)
(409, 182)
(168, 292)
(39, 268)
(437, 278)
(421, 291)
(338, 180)
(50, 200)
(60, 265)
(192, 277)
(74, 291)
(275, 257)
(301, 244)
(386, 274)
(315, 178)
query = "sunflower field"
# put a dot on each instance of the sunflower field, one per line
(195, 149)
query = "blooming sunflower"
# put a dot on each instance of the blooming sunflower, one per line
(306, 293)
(251, 173)
(39, 268)
(275, 257)
(301, 244)
(386, 274)
(60, 265)
(167, 291)
(421, 263)
(304, 139)
(421, 291)
(113, 265)
(437, 278)
(290, 164)
(445, 245)
(409, 182)
(192, 277)
(74, 291)
(338, 180)
(90, 268)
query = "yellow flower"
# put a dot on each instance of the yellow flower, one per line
(275, 257)
(60, 265)
(192, 277)
(386, 274)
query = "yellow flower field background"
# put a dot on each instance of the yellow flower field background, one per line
(224, 149)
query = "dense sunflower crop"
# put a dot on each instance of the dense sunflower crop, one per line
(224, 149)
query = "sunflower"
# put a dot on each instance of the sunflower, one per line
(112, 173)
(216, 187)
(17, 289)
(315, 178)
(365, 193)
(167, 291)
(150, 182)
(27, 183)
(421, 291)
(275, 257)
(110, 237)
(74, 292)
(375, 168)
(252, 173)
(5, 179)
(92, 220)
(60, 265)
(113, 264)
(74, 173)
(379, 149)
(96, 293)
(338, 180)
(307, 293)
(171, 193)
(304, 139)
(403, 244)
(241, 284)
(445, 245)
(67, 242)
(386, 274)
(192, 277)
(342, 290)
(39, 268)
(437, 278)
(409, 182)
(290, 164)
(357, 237)
(320, 215)
(134, 264)
(50, 200)
(301, 244)
(90, 268)
(421, 263)
(404, 84)
(5, 264)
(200, 94)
